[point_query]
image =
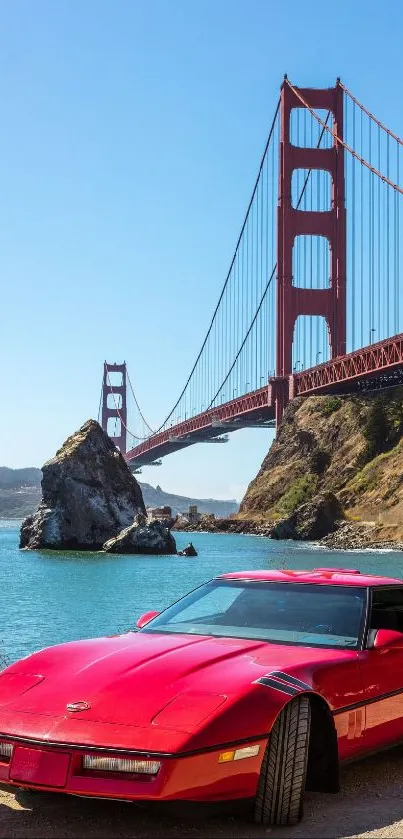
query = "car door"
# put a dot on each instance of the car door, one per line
(382, 671)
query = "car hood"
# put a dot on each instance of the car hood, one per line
(127, 679)
(170, 682)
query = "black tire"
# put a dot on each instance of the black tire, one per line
(279, 798)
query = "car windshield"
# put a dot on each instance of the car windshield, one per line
(286, 613)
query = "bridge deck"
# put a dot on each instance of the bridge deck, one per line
(344, 373)
(257, 408)
(247, 411)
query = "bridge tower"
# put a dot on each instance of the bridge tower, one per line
(292, 300)
(115, 407)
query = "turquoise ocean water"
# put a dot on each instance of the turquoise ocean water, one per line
(49, 597)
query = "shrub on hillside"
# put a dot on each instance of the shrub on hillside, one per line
(300, 491)
(375, 431)
(328, 405)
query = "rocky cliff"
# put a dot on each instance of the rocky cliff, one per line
(88, 495)
(348, 450)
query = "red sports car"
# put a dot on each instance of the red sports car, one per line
(254, 686)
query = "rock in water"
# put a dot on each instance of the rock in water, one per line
(88, 495)
(142, 538)
(190, 550)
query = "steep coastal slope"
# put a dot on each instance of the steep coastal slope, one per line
(349, 446)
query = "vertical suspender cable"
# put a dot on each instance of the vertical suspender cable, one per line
(380, 300)
(397, 245)
(362, 238)
(387, 236)
(353, 240)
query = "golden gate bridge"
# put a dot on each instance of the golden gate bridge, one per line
(311, 303)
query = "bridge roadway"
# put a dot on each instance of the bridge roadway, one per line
(344, 374)
(247, 411)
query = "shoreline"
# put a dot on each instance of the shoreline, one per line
(347, 536)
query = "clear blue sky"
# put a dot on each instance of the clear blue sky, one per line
(130, 137)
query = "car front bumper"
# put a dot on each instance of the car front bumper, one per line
(198, 777)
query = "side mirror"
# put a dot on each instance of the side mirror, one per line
(147, 617)
(385, 638)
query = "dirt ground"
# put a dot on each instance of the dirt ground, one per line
(370, 804)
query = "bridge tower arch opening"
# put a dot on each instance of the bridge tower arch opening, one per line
(292, 222)
(311, 342)
(114, 404)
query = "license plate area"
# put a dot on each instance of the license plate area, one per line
(46, 767)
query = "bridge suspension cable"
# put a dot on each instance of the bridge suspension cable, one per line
(254, 251)
(302, 193)
(237, 354)
(245, 275)
(139, 410)
(374, 190)
(369, 114)
(134, 435)
(343, 143)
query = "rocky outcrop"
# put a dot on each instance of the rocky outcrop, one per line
(181, 523)
(310, 521)
(142, 538)
(360, 536)
(88, 495)
(206, 523)
(211, 524)
(350, 446)
(190, 550)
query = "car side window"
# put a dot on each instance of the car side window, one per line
(387, 609)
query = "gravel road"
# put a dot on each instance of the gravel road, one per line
(370, 804)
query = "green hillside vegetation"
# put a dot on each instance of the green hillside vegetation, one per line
(350, 446)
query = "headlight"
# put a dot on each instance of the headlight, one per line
(121, 764)
(6, 750)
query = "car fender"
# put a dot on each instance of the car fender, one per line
(248, 714)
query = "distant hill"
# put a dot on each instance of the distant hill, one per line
(19, 503)
(156, 497)
(17, 478)
(20, 493)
